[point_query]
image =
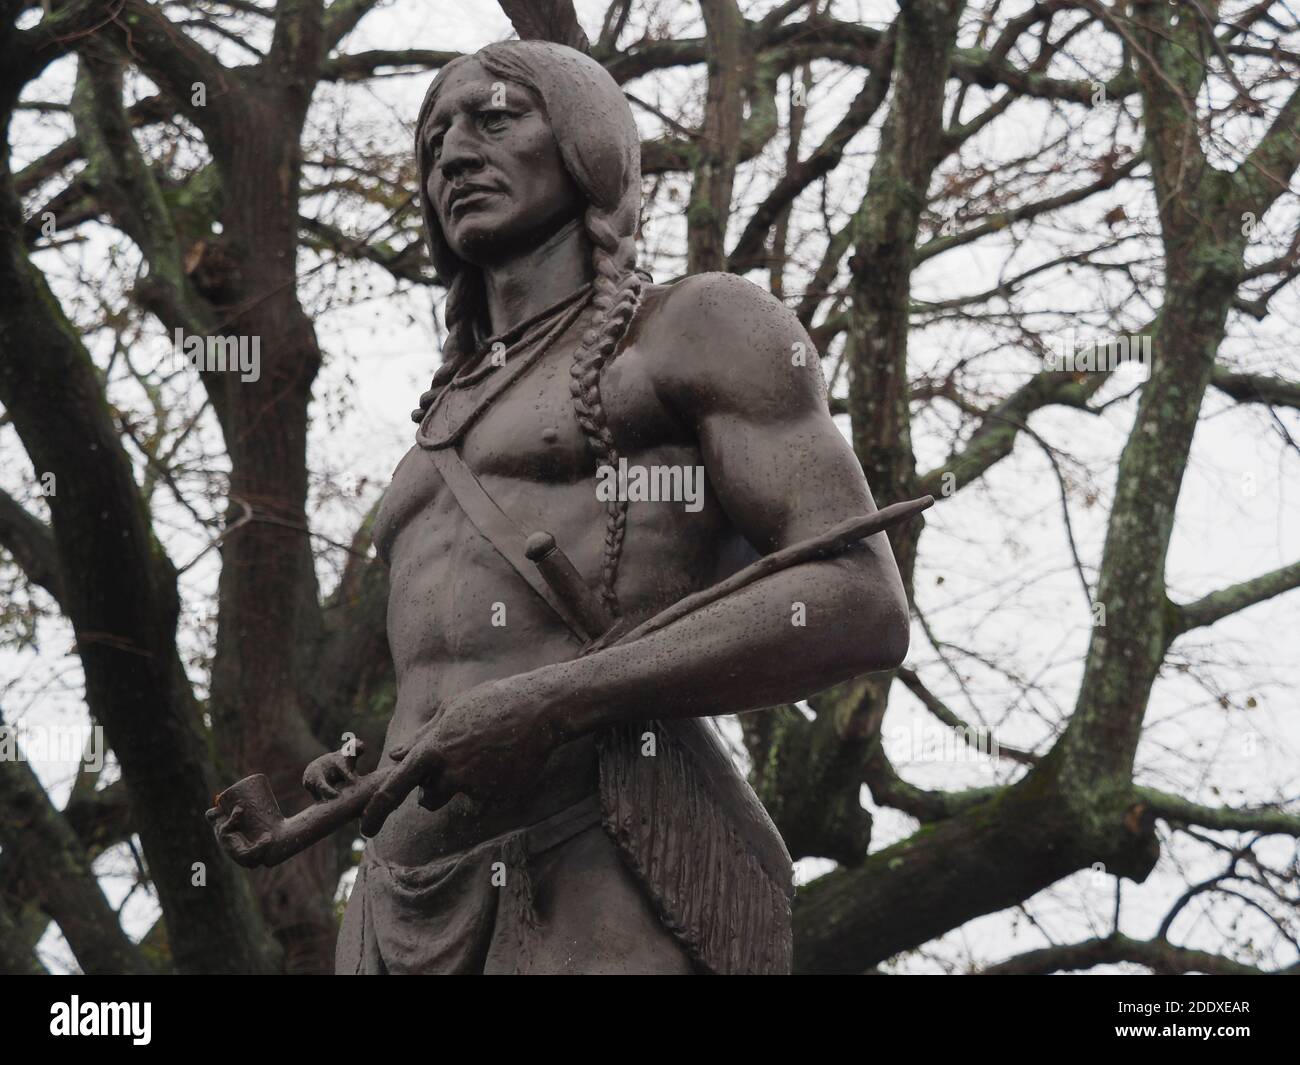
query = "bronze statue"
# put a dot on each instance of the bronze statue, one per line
(550, 798)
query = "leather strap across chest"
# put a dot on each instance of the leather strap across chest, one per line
(499, 529)
(442, 433)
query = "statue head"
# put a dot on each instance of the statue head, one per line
(494, 182)
(535, 124)
(513, 143)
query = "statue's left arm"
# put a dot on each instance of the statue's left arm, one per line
(737, 367)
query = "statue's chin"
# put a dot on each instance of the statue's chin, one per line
(482, 241)
(486, 239)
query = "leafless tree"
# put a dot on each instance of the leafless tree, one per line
(221, 167)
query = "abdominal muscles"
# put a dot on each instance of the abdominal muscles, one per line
(460, 616)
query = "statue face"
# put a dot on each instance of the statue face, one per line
(496, 180)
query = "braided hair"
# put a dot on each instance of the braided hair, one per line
(600, 148)
(618, 292)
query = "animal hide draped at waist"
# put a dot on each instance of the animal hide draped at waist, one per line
(701, 843)
(468, 912)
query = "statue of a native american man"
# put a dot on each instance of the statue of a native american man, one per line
(550, 797)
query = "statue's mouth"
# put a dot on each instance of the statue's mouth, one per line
(467, 198)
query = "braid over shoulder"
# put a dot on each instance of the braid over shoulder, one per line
(601, 149)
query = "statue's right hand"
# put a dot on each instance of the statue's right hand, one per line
(333, 772)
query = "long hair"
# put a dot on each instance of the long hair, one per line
(600, 148)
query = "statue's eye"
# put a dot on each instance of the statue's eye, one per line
(494, 120)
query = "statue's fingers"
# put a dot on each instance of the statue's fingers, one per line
(383, 803)
(388, 798)
(376, 813)
(436, 792)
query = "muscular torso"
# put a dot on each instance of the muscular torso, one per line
(459, 615)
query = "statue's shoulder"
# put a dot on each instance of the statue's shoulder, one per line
(720, 305)
(717, 332)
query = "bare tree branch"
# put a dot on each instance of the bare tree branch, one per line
(1262, 819)
(546, 20)
(995, 436)
(31, 543)
(1157, 955)
(34, 833)
(1233, 599)
(1257, 388)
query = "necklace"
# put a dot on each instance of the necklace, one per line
(513, 340)
(534, 338)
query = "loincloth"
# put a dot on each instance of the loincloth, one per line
(464, 913)
(684, 822)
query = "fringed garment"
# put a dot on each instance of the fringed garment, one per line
(698, 839)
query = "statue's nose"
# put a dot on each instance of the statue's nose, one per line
(459, 153)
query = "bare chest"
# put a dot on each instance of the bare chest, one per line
(531, 435)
